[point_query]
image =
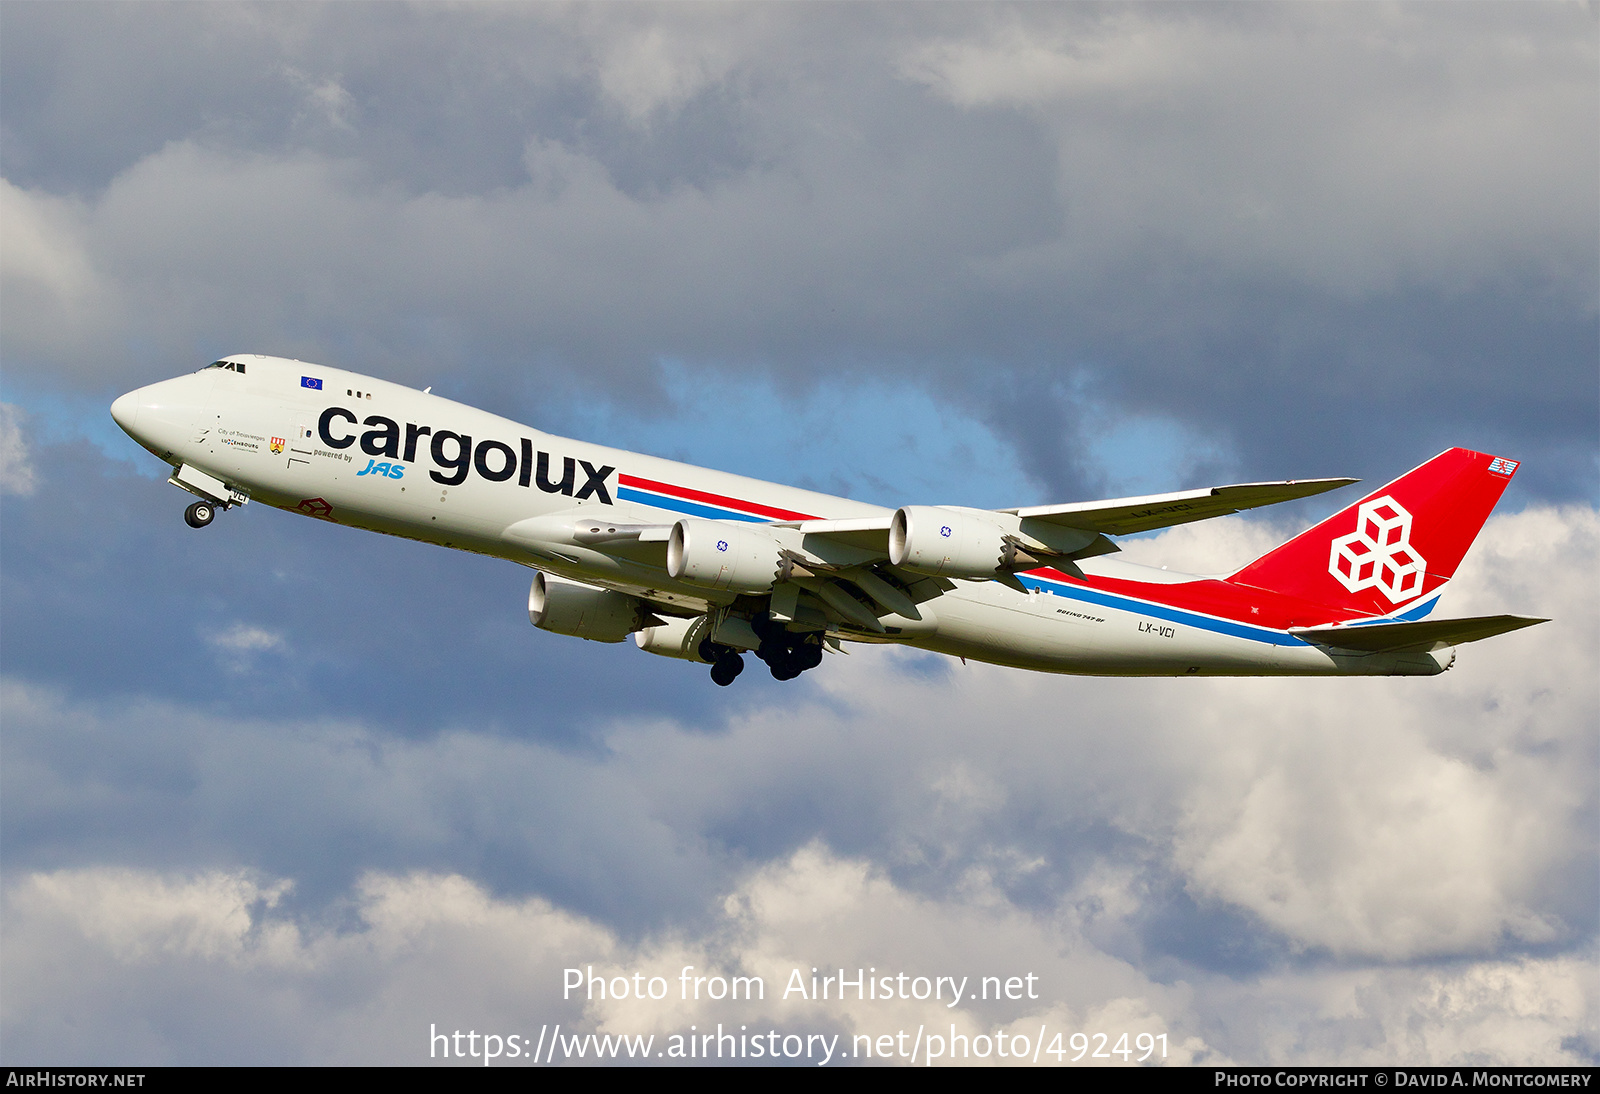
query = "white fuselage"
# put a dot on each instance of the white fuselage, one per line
(376, 455)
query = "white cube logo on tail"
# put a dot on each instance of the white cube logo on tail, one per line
(1379, 553)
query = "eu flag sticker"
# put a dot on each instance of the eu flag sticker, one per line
(311, 381)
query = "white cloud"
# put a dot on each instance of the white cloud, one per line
(1407, 821)
(138, 918)
(48, 273)
(16, 470)
(327, 103)
(658, 67)
(1124, 53)
(150, 955)
(238, 646)
(1516, 1012)
(1409, 860)
(42, 248)
(243, 638)
(162, 953)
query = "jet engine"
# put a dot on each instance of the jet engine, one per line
(679, 638)
(719, 555)
(584, 611)
(943, 541)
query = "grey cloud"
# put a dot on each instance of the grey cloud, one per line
(239, 981)
(416, 638)
(1233, 219)
(189, 786)
(1296, 142)
(233, 982)
(1393, 841)
(1241, 242)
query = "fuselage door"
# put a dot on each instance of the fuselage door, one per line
(300, 442)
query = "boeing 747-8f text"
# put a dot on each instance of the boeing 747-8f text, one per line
(705, 566)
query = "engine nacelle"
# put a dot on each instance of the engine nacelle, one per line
(943, 541)
(719, 555)
(583, 611)
(678, 638)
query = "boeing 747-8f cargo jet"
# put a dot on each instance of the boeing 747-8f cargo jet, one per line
(704, 566)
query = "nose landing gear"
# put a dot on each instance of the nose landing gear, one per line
(213, 493)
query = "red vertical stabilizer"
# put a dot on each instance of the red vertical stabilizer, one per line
(1395, 545)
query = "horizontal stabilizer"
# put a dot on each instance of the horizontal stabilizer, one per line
(1125, 516)
(1388, 637)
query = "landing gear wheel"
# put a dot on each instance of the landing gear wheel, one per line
(809, 656)
(728, 666)
(199, 514)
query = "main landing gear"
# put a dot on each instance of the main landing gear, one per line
(200, 514)
(785, 661)
(785, 653)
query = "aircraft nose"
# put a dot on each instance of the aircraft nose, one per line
(125, 411)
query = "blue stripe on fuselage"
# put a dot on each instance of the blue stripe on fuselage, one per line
(687, 508)
(1162, 611)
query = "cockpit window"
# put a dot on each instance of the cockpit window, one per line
(231, 366)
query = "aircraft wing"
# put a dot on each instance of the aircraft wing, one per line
(1430, 633)
(1116, 517)
(1125, 516)
(869, 534)
(842, 562)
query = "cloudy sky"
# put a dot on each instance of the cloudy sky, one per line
(284, 792)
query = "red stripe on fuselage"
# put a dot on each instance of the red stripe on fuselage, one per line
(1223, 599)
(712, 499)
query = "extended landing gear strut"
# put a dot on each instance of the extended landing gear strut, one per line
(213, 493)
(786, 654)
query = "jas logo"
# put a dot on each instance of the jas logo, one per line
(455, 455)
(388, 470)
